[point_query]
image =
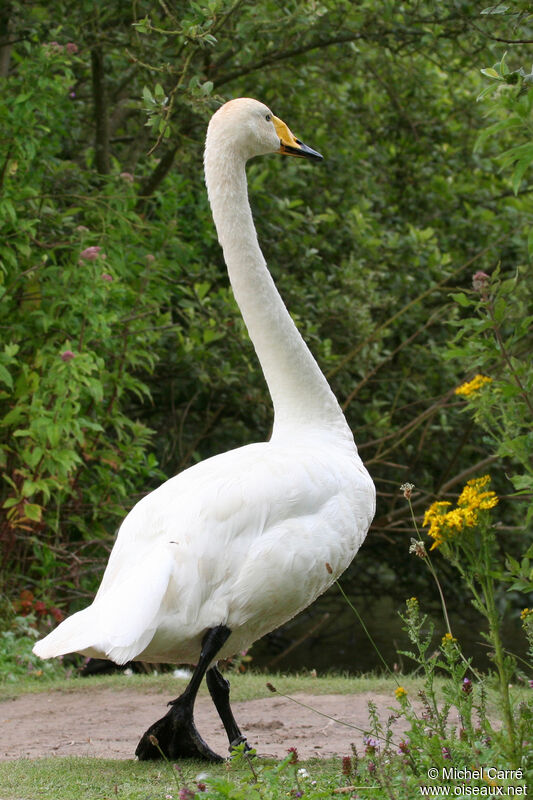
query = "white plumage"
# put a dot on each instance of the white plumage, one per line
(241, 539)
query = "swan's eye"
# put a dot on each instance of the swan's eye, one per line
(268, 117)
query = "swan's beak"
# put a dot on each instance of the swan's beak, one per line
(290, 145)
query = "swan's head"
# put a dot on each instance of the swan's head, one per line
(249, 128)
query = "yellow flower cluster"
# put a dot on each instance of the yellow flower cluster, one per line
(448, 639)
(400, 693)
(445, 524)
(473, 386)
(525, 613)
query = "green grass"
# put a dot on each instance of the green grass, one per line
(247, 686)
(90, 779)
(104, 779)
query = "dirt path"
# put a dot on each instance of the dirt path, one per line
(107, 724)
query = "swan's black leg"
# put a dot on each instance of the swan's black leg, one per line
(175, 733)
(219, 690)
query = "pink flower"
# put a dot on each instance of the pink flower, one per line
(480, 283)
(39, 608)
(293, 752)
(127, 176)
(106, 276)
(67, 355)
(57, 614)
(71, 47)
(90, 253)
(371, 744)
(346, 766)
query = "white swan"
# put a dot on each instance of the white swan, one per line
(236, 545)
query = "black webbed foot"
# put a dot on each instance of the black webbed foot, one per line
(174, 736)
(237, 742)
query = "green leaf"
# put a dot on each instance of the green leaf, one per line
(522, 483)
(462, 299)
(497, 127)
(499, 8)
(486, 91)
(33, 511)
(490, 72)
(12, 417)
(11, 349)
(10, 502)
(23, 432)
(143, 25)
(148, 97)
(5, 376)
(518, 173)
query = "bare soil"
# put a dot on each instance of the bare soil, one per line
(106, 723)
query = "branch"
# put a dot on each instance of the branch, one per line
(6, 42)
(498, 38)
(101, 136)
(405, 343)
(152, 181)
(283, 55)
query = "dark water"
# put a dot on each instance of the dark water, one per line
(338, 642)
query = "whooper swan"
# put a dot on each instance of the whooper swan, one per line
(238, 544)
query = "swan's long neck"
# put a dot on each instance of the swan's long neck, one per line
(299, 391)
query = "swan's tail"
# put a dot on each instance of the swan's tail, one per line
(75, 634)
(88, 632)
(122, 621)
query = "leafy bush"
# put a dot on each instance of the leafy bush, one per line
(75, 304)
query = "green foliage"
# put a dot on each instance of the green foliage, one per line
(434, 740)
(511, 97)
(495, 340)
(103, 116)
(16, 658)
(75, 348)
(467, 539)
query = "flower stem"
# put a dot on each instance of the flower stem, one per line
(499, 659)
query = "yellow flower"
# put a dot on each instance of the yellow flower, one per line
(448, 639)
(473, 497)
(435, 511)
(446, 523)
(473, 386)
(455, 520)
(400, 693)
(525, 613)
